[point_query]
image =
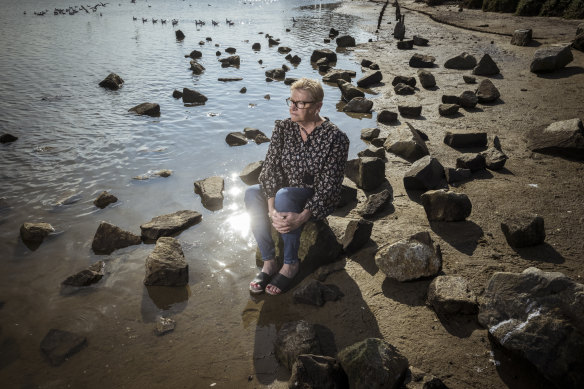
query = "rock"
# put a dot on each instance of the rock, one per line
(162, 173)
(109, 238)
(538, 316)
(232, 60)
(322, 61)
(295, 60)
(166, 265)
(376, 203)
(348, 195)
(379, 141)
(251, 133)
(417, 379)
(316, 293)
(338, 74)
(179, 35)
(564, 138)
(211, 192)
(170, 224)
(551, 58)
(112, 81)
(372, 151)
(406, 142)
(35, 233)
(494, 159)
(471, 161)
(333, 33)
(294, 339)
(486, 67)
(450, 99)
(369, 133)
(580, 29)
(465, 139)
(230, 50)
(250, 174)
(243, 90)
(405, 45)
(58, 345)
(229, 79)
(463, 61)
(330, 55)
(276, 74)
(373, 363)
(261, 138)
(521, 37)
(357, 234)
(284, 50)
(348, 90)
(427, 79)
(524, 230)
(403, 89)
(456, 175)
(469, 79)
(366, 63)
(359, 105)
(195, 54)
(191, 96)
(290, 80)
(410, 111)
(426, 173)
(578, 42)
(487, 92)
(386, 117)
(150, 109)
(468, 99)
(451, 295)
(104, 199)
(345, 41)
(217, 53)
(371, 173)
(86, 277)
(370, 79)
(7, 138)
(317, 371)
(177, 94)
(256, 46)
(419, 41)
(236, 139)
(422, 61)
(164, 325)
(374, 67)
(442, 205)
(448, 109)
(324, 68)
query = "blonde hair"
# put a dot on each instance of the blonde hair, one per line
(313, 87)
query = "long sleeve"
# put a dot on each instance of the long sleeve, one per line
(272, 177)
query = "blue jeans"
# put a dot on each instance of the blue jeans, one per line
(286, 200)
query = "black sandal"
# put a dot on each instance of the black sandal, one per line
(262, 279)
(281, 282)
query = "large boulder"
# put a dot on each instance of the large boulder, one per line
(374, 364)
(345, 41)
(452, 295)
(443, 205)
(195, 54)
(196, 67)
(294, 339)
(166, 264)
(463, 61)
(359, 105)
(211, 191)
(338, 74)
(368, 173)
(538, 316)
(422, 61)
(112, 81)
(191, 96)
(317, 371)
(564, 138)
(410, 259)
(465, 139)
(487, 92)
(86, 277)
(35, 233)
(426, 173)
(348, 90)
(330, 55)
(524, 230)
(376, 203)
(59, 345)
(472, 161)
(551, 58)
(370, 79)
(486, 67)
(250, 174)
(356, 235)
(169, 225)
(149, 109)
(109, 238)
(406, 142)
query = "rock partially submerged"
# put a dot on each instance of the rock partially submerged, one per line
(150, 109)
(112, 81)
(86, 277)
(35, 233)
(109, 238)
(250, 174)
(330, 55)
(191, 96)
(104, 199)
(166, 265)
(359, 105)
(169, 225)
(59, 345)
(211, 192)
(7, 138)
(236, 139)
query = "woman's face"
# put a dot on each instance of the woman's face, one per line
(309, 112)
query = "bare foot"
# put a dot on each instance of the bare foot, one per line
(288, 270)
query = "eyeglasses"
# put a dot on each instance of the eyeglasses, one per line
(298, 104)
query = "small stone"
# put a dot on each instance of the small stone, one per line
(191, 96)
(150, 109)
(369, 133)
(112, 81)
(487, 92)
(386, 117)
(164, 325)
(452, 295)
(104, 199)
(405, 45)
(211, 192)
(448, 109)
(427, 79)
(410, 111)
(166, 264)
(469, 79)
(403, 89)
(250, 174)
(58, 345)
(471, 161)
(7, 138)
(443, 205)
(35, 233)
(376, 203)
(88, 276)
(109, 238)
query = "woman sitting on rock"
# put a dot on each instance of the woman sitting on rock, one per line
(300, 179)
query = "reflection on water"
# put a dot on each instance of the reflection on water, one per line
(77, 140)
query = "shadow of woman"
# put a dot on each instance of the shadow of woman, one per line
(338, 324)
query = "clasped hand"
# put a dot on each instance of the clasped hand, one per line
(284, 222)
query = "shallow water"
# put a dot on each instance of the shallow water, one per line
(77, 139)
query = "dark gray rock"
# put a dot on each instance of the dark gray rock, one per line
(521, 37)
(468, 99)
(450, 99)
(294, 339)
(166, 264)
(494, 159)
(290, 80)
(578, 42)
(229, 79)
(169, 225)
(359, 105)
(404, 141)
(112, 81)
(261, 138)
(150, 109)
(273, 42)
(232, 60)
(356, 234)
(469, 79)
(109, 238)
(250, 174)
(418, 379)
(386, 117)
(486, 67)
(376, 203)
(452, 295)
(177, 94)
(35, 233)
(367, 173)
(465, 139)
(373, 363)
(276, 74)
(295, 60)
(252, 133)
(256, 46)
(564, 138)
(403, 89)
(370, 79)
(419, 41)
(422, 61)
(580, 29)
(316, 293)
(330, 55)
(8, 138)
(457, 174)
(539, 317)
(345, 41)
(549, 59)
(179, 35)
(410, 111)
(369, 133)
(405, 45)
(211, 192)
(284, 50)
(338, 74)
(471, 161)
(524, 230)
(372, 151)
(191, 96)
(104, 199)
(86, 277)
(324, 68)
(448, 109)
(58, 345)
(487, 92)
(425, 174)
(427, 79)
(348, 90)
(379, 141)
(317, 371)
(236, 139)
(348, 195)
(463, 61)
(195, 54)
(443, 205)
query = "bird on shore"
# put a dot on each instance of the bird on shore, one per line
(144, 20)
(134, 18)
(174, 22)
(163, 21)
(214, 22)
(154, 20)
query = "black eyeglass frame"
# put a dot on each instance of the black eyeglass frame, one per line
(289, 100)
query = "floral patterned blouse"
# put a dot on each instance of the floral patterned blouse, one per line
(318, 163)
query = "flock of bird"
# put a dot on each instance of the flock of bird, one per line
(72, 10)
(175, 21)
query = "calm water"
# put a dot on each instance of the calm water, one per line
(77, 139)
